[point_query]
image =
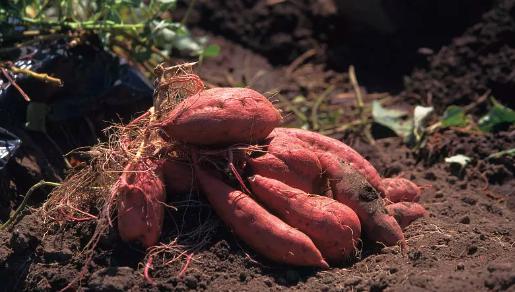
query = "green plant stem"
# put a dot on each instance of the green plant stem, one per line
(355, 85)
(318, 102)
(341, 128)
(509, 152)
(300, 115)
(188, 12)
(40, 76)
(21, 207)
(365, 125)
(92, 25)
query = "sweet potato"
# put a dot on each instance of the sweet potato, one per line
(178, 177)
(221, 116)
(352, 189)
(262, 231)
(321, 144)
(288, 161)
(333, 227)
(406, 212)
(400, 189)
(140, 192)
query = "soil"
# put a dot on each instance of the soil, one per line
(466, 243)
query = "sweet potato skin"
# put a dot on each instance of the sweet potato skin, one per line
(178, 177)
(406, 212)
(264, 232)
(352, 189)
(221, 116)
(321, 144)
(287, 160)
(333, 227)
(140, 192)
(399, 189)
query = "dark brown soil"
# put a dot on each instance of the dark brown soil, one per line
(381, 40)
(466, 244)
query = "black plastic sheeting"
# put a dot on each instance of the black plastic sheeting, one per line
(95, 83)
(9, 143)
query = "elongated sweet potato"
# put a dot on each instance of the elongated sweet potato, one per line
(221, 116)
(178, 177)
(333, 227)
(140, 191)
(399, 189)
(406, 212)
(262, 231)
(321, 144)
(290, 162)
(352, 189)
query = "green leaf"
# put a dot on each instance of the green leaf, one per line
(394, 119)
(459, 159)
(498, 114)
(211, 51)
(454, 116)
(167, 4)
(187, 43)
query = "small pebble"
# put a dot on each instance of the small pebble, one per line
(429, 175)
(465, 220)
(472, 249)
(460, 266)
(469, 200)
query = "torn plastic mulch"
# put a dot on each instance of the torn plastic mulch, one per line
(9, 143)
(98, 86)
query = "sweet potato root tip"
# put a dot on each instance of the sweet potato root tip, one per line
(321, 144)
(222, 116)
(399, 189)
(140, 192)
(352, 189)
(333, 227)
(265, 233)
(406, 212)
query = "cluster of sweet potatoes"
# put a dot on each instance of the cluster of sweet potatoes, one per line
(301, 198)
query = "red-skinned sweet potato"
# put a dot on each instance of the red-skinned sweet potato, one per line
(140, 193)
(221, 116)
(288, 161)
(321, 144)
(264, 232)
(399, 189)
(352, 189)
(333, 227)
(406, 212)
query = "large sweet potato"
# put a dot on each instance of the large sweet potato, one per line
(321, 144)
(399, 189)
(288, 161)
(352, 189)
(262, 231)
(406, 212)
(140, 193)
(333, 227)
(221, 116)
